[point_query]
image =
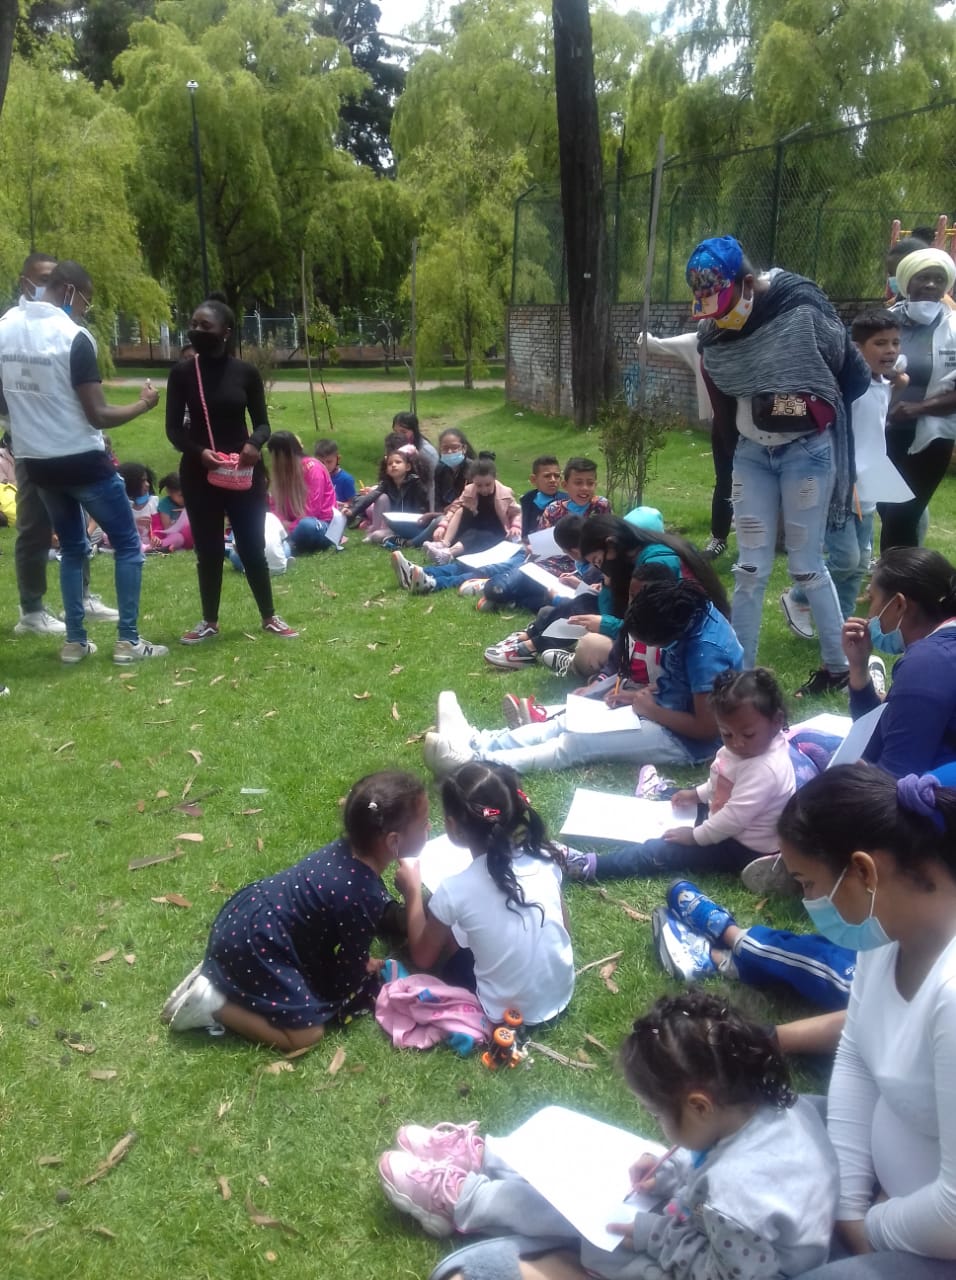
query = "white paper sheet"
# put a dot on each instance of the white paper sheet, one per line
(561, 629)
(543, 545)
(581, 1166)
(879, 481)
(440, 859)
(593, 715)
(548, 580)
(497, 554)
(825, 722)
(402, 519)
(336, 527)
(603, 815)
(854, 744)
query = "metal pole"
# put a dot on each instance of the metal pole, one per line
(308, 352)
(649, 271)
(414, 403)
(192, 86)
(618, 181)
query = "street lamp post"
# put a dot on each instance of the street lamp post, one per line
(192, 86)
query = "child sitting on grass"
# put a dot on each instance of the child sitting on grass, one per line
(170, 524)
(327, 452)
(545, 488)
(400, 488)
(485, 514)
(141, 490)
(749, 1189)
(290, 953)
(502, 919)
(750, 782)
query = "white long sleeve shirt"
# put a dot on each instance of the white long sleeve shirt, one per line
(892, 1106)
(746, 797)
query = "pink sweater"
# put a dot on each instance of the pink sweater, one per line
(746, 797)
(320, 495)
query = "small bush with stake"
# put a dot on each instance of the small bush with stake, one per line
(630, 437)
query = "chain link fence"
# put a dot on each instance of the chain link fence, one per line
(819, 203)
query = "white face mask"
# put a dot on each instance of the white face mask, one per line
(36, 291)
(924, 312)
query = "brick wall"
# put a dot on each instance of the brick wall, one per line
(538, 365)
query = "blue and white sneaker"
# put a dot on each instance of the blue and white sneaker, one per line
(683, 954)
(697, 911)
(580, 865)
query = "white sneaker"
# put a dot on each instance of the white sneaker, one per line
(41, 623)
(798, 616)
(177, 993)
(443, 756)
(96, 610)
(877, 669)
(75, 651)
(196, 1007)
(125, 652)
(451, 719)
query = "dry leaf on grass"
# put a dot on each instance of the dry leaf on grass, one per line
(338, 1058)
(224, 1188)
(597, 1044)
(106, 957)
(65, 747)
(270, 1256)
(49, 1162)
(224, 1107)
(118, 1153)
(581, 1056)
(130, 957)
(360, 697)
(192, 836)
(263, 1180)
(77, 1047)
(396, 670)
(595, 964)
(372, 646)
(277, 1068)
(58, 857)
(116, 764)
(173, 899)
(164, 702)
(395, 715)
(247, 813)
(103, 1075)
(140, 806)
(416, 737)
(429, 610)
(162, 795)
(37, 1231)
(196, 755)
(260, 844)
(631, 912)
(137, 864)
(215, 680)
(298, 1053)
(607, 977)
(188, 787)
(266, 1219)
(104, 1232)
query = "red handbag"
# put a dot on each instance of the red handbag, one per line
(228, 474)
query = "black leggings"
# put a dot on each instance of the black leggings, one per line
(208, 508)
(923, 472)
(721, 507)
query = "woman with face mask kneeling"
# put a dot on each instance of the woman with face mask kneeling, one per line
(912, 612)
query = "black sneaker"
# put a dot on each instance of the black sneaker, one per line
(823, 681)
(713, 548)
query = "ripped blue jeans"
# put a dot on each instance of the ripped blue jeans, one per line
(796, 478)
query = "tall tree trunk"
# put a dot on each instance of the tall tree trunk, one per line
(9, 12)
(582, 203)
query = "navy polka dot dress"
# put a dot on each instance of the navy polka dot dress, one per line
(293, 947)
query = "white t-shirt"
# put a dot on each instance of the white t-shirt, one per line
(869, 441)
(521, 961)
(892, 1106)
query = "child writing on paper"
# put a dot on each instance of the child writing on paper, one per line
(750, 782)
(750, 1191)
(290, 953)
(502, 917)
(399, 488)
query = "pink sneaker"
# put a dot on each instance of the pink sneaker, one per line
(426, 1189)
(456, 1144)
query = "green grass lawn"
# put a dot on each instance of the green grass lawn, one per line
(99, 759)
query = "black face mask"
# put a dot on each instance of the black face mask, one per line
(206, 343)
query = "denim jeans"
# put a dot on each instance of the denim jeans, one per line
(31, 551)
(550, 746)
(848, 557)
(453, 574)
(308, 536)
(107, 503)
(516, 588)
(659, 857)
(797, 478)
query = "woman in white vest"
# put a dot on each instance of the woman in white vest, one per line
(54, 395)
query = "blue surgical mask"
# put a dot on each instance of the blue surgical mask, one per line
(453, 459)
(826, 919)
(889, 642)
(541, 500)
(142, 500)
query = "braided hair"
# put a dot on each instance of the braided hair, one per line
(497, 820)
(696, 1041)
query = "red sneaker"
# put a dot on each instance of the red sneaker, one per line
(200, 632)
(518, 711)
(279, 628)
